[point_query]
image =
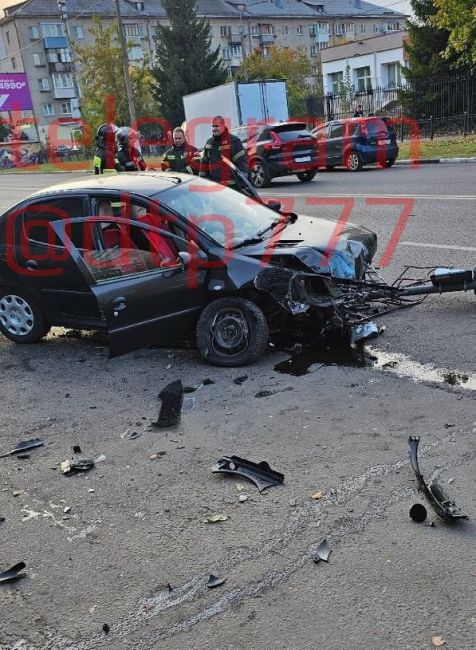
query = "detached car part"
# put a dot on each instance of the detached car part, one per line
(26, 445)
(13, 573)
(440, 502)
(171, 407)
(322, 552)
(260, 474)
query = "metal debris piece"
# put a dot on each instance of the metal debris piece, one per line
(440, 502)
(214, 581)
(240, 380)
(260, 474)
(418, 512)
(171, 407)
(13, 573)
(26, 445)
(134, 434)
(322, 552)
(76, 466)
(365, 331)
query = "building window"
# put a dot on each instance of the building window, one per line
(48, 110)
(393, 27)
(299, 30)
(78, 32)
(135, 53)
(393, 78)
(363, 29)
(64, 55)
(34, 33)
(52, 29)
(255, 30)
(36, 60)
(363, 78)
(43, 84)
(226, 53)
(313, 50)
(312, 30)
(285, 30)
(66, 108)
(334, 81)
(265, 50)
(63, 80)
(323, 46)
(235, 50)
(7, 34)
(319, 8)
(267, 29)
(131, 29)
(52, 57)
(225, 31)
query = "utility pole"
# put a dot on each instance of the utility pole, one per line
(64, 19)
(125, 61)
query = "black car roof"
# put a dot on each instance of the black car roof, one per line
(144, 183)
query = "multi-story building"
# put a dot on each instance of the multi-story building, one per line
(34, 39)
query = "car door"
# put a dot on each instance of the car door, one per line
(335, 139)
(144, 291)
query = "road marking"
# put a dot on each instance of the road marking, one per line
(427, 197)
(451, 247)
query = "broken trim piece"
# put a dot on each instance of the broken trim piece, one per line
(13, 573)
(260, 474)
(440, 502)
(322, 552)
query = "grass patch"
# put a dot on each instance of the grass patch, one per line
(457, 147)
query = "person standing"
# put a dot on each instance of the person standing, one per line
(105, 154)
(180, 157)
(129, 157)
(359, 111)
(222, 145)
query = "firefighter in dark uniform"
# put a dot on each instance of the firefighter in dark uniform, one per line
(105, 154)
(182, 156)
(129, 157)
(221, 145)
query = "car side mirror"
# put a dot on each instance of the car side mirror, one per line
(185, 258)
(273, 204)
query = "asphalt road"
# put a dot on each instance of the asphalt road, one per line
(137, 524)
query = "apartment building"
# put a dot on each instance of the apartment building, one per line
(36, 36)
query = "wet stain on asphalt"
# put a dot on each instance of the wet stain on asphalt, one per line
(301, 361)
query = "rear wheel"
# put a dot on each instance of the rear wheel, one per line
(259, 175)
(390, 162)
(232, 332)
(21, 320)
(305, 177)
(353, 161)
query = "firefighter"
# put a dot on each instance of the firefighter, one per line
(181, 156)
(128, 156)
(221, 145)
(105, 154)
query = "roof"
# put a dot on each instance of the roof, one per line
(382, 43)
(49, 8)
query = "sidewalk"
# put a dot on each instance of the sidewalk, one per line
(433, 161)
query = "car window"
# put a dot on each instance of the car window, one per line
(38, 216)
(375, 128)
(320, 133)
(353, 128)
(288, 132)
(336, 130)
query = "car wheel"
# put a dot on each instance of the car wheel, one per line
(259, 174)
(21, 320)
(232, 332)
(390, 162)
(305, 177)
(353, 161)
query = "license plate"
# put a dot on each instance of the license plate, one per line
(383, 142)
(303, 159)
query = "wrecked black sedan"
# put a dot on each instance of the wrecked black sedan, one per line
(149, 258)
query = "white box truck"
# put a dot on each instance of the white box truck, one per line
(239, 102)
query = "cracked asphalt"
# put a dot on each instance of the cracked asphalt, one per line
(135, 552)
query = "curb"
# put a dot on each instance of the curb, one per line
(436, 161)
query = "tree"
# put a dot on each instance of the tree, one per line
(185, 60)
(459, 18)
(282, 63)
(99, 82)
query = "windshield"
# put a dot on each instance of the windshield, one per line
(227, 216)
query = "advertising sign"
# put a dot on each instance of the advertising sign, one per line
(14, 92)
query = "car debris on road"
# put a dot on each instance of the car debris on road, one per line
(260, 474)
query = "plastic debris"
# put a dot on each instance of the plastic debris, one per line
(100, 459)
(134, 434)
(260, 474)
(240, 380)
(170, 409)
(188, 405)
(418, 512)
(268, 393)
(317, 495)
(105, 628)
(438, 640)
(322, 552)
(158, 454)
(365, 331)
(26, 445)
(76, 449)
(213, 519)
(14, 573)
(242, 498)
(76, 466)
(208, 382)
(214, 581)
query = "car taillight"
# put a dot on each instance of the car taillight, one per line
(275, 144)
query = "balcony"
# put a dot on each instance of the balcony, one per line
(64, 93)
(235, 39)
(55, 42)
(59, 67)
(235, 61)
(322, 37)
(267, 39)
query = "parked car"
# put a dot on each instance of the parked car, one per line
(150, 257)
(355, 142)
(279, 149)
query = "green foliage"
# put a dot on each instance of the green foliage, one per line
(102, 79)
(459, 18)
(185, 60)
(282, 63)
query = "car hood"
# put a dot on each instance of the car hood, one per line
(304, 245)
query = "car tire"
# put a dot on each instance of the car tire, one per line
(21, 320)
(232, 332)
(390, 162)
(259, 175)
(306, 177)
(353, 161)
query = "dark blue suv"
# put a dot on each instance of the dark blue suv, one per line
(358, 141)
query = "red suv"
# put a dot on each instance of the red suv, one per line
(279, 149)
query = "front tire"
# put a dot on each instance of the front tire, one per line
(353, 161)
(21, 320)
(259, 175)
(306, 177)
(232, 332)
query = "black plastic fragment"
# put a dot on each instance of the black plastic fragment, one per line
(2, 519)
(105, 628)
(260, 474)
(77, 466)
(322, 552)
(208, 382)
(418, 512)
(26, 445)
(76, 449)
(240, 380)
(214, 581)
(171, 407)
(13, 573)
(439, 500)
(169, 586)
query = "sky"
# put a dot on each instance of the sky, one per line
(397, 5)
